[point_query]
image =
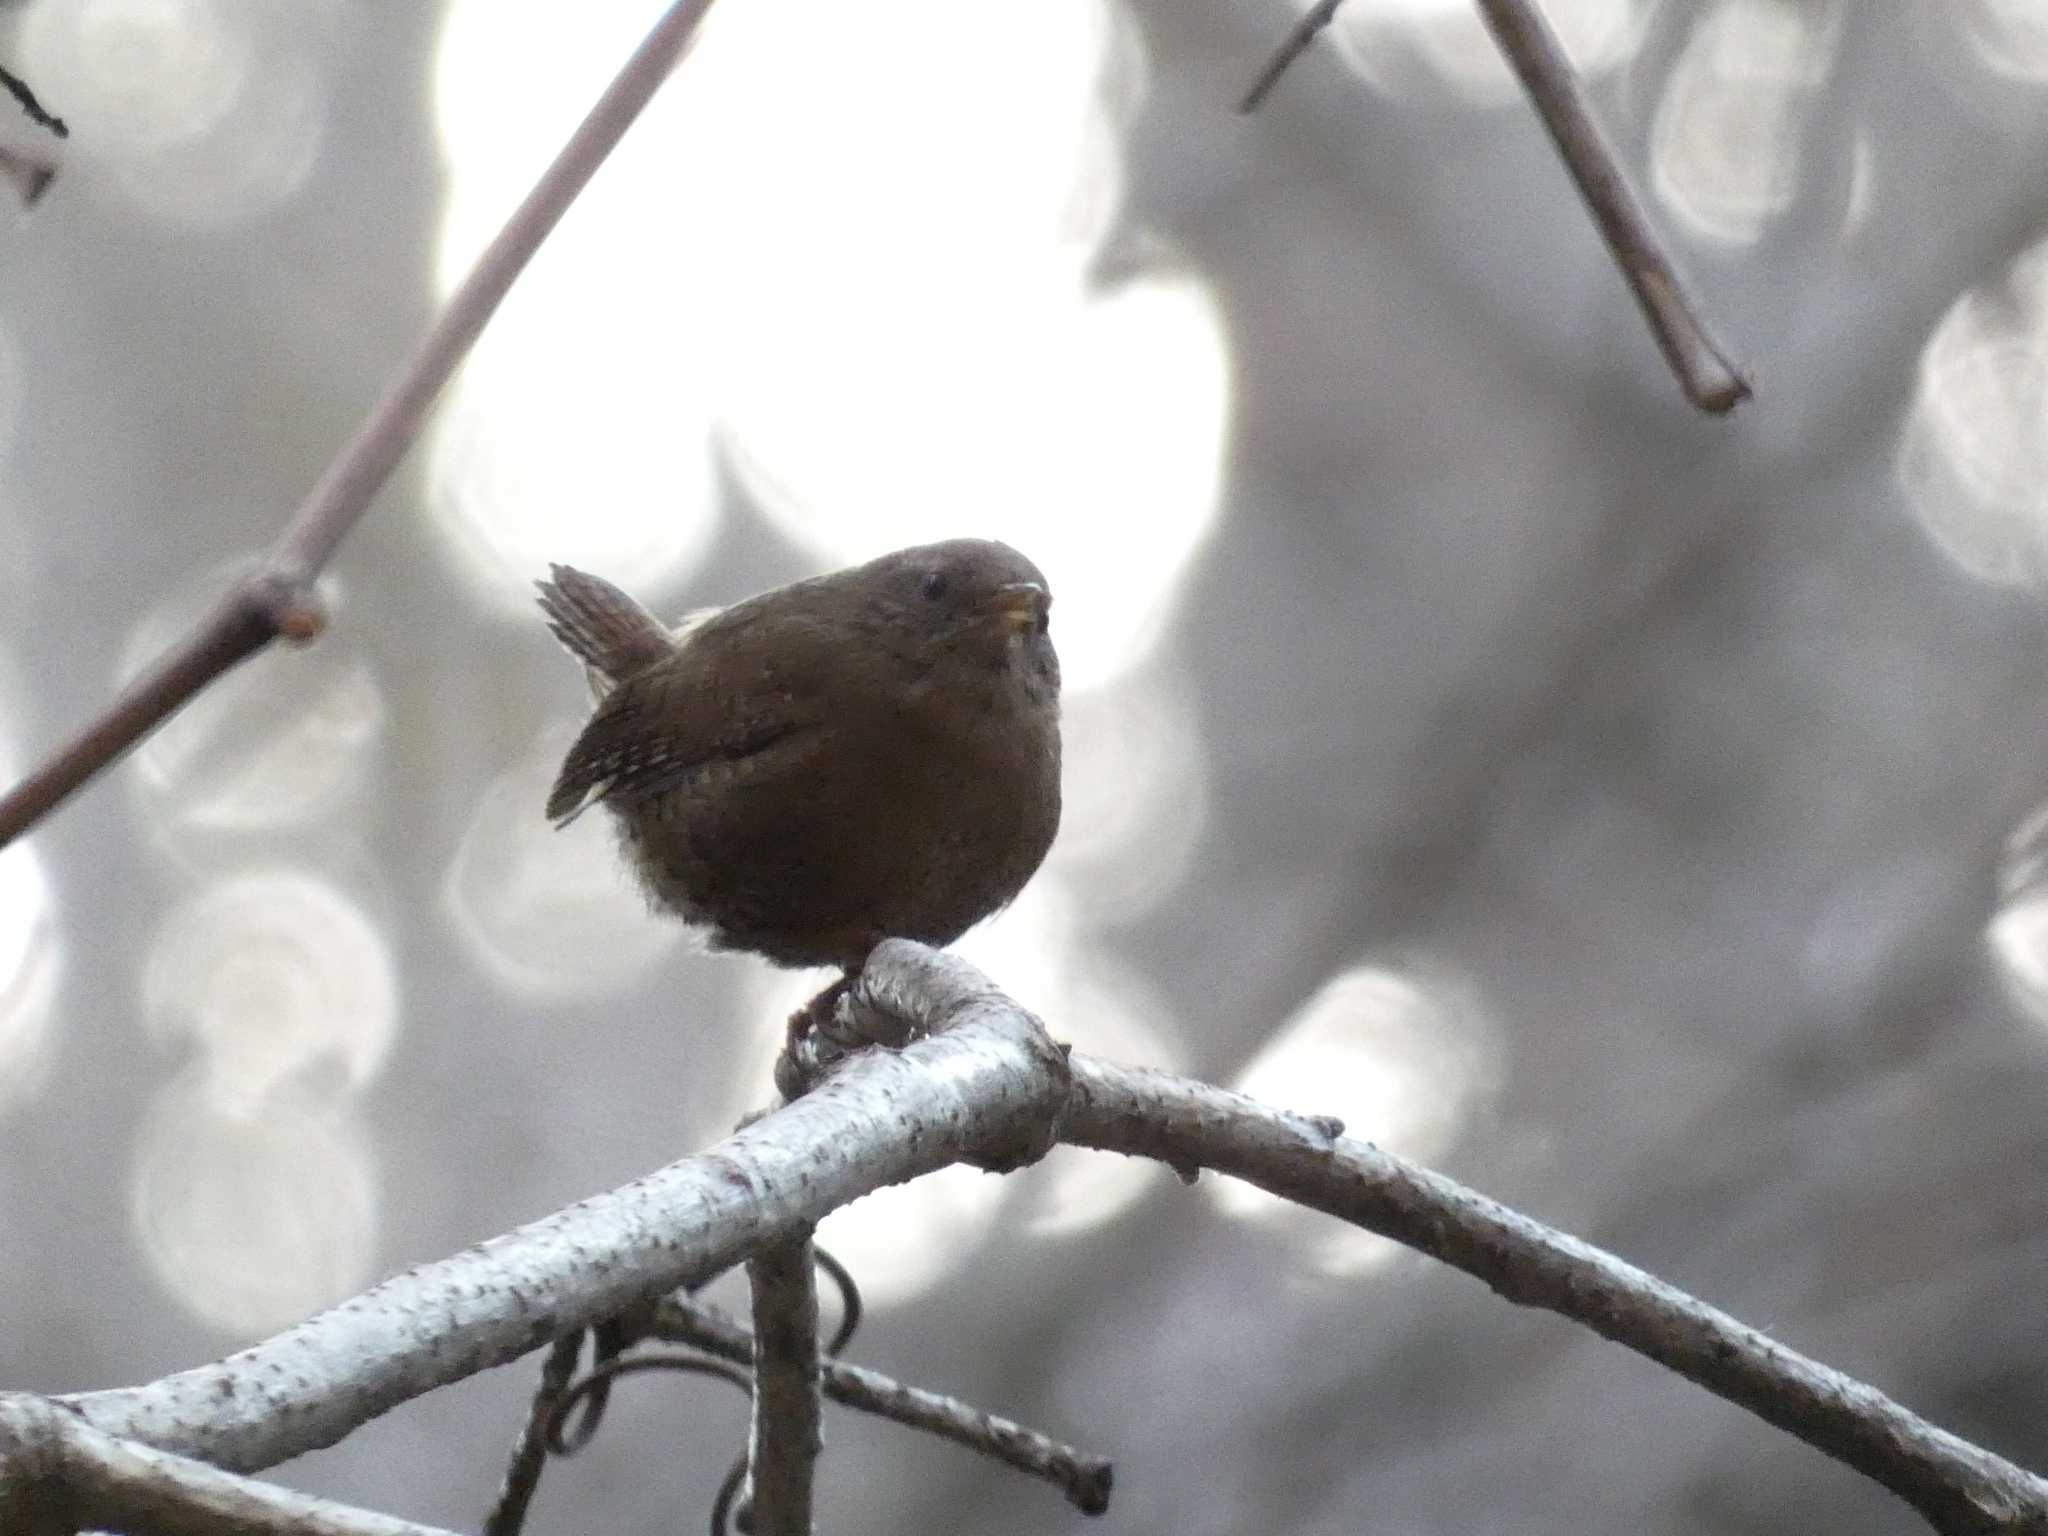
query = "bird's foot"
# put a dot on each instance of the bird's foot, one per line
(819, 1016)
(815, 1040)
(830, 1027)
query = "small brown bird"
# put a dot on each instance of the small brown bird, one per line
(869, 754)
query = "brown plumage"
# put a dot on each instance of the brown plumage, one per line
(869, 754)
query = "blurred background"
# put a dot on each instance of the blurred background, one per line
(1640, 816)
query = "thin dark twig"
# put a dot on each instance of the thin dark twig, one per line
(276, 597)
(530, 1451)
(1292, 47)
(608, 1340)
(633, 1365)
(1085, 1479)
(38, 114)
(602, 1375)
(849, 1300)
(1705, 373)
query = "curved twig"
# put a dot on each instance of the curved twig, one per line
(850, 1308)
(560, 1444)
(1085, 1479)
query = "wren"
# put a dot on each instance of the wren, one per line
(869, 754)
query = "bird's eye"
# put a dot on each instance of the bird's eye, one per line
(933, 586)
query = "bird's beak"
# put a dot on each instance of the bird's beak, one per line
(1021, 606)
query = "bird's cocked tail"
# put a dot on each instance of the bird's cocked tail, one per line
(603, 627)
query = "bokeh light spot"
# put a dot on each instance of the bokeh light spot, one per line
(901, 1241)
(893, 328)
(276, 980)
(1135, 795)
(29, 965)
(573, 436)
(499, 133)
(550, 913)
(253, 1220)
(1973, 456)
(1085, 433)
(2010, 36)
(1106, 1010)
(277, 743)
(206, 112)
(577, 430)
(2017, 934)
(1724, 148)
(1401, 1059)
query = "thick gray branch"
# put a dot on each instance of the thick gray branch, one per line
(1957, 1486)
(59, 1474)
(785, 1438)
(979, 1090)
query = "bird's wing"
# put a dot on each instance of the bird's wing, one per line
(736, 685)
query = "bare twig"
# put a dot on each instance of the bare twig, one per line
(530, 1451)
(276, 597)
(1084, 1479)
(61, 1474)
(1957, 1486)
(1709, 379)
(1292, 47)
(783, 1444)
(38, 114)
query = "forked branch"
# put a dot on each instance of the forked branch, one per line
(985, 1084)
